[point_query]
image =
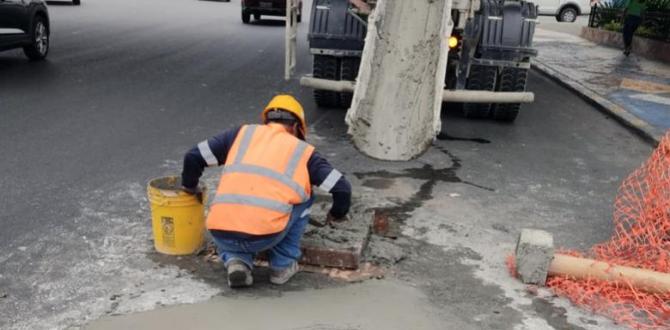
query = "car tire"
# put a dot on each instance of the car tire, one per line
(567, 14)
(246, 17)
(39, 47)
(76, 2)
(257, 17)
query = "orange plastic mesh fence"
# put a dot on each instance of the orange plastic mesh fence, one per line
(641, 239)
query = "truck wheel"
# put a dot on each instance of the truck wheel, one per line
(246, 17)
(510, 80)
(481, 78)
(326, 67)
(76, 2)
(348, 71)
(257, 17)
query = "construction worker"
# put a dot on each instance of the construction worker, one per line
(265, 192)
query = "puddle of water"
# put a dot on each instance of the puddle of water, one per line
(428, 173)
(447, 137)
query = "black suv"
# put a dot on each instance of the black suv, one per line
(265, 7)
(25, 24)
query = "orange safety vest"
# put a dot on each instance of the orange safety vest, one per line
(265, 174)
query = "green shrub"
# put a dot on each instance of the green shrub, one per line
(613, 26)
(658, 5)
(646, 32)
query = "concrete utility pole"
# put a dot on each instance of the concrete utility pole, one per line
(395, 114)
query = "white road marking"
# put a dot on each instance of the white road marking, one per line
(652, 98)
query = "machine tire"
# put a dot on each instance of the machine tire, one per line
(510, 80)
(481, 78)
(76, 2)
(567, 14)
(40, 40)
(246, 17)
(326, 67)
(348, 71)
(257, 17)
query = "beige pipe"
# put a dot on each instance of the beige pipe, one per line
(582, 268)
(465, 96)
(329, 85)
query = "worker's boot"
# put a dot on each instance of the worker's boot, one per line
(282, 276)
(239, 274)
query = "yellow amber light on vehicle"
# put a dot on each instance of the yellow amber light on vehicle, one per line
(453, 42)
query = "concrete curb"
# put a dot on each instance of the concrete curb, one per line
(620, 114)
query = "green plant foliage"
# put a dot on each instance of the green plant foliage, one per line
(613, 26)
(655, 20)
(658, 6)
(645, 32)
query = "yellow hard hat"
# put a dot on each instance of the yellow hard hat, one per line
(287, 103)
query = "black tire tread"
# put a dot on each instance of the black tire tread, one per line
(246, 17)
(560, 14)
(348, 71)
(326, 67)
(481, 78)
(510, 80)
(31, 51)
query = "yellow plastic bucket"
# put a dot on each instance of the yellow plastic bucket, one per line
(177, 218)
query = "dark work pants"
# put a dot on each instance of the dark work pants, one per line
(630, 24)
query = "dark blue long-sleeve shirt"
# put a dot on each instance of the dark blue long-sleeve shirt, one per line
(214, 151)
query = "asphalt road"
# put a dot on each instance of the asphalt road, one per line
(130, 85)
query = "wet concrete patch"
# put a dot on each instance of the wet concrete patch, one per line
(449, 282)
(338, 244)
(555, 316)
(370, 305)
(385, 251)
(447, 137)
(378, 183)
(427, 172)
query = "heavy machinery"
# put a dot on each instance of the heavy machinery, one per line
(490, 50)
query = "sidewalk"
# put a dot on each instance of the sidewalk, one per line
(633, 89)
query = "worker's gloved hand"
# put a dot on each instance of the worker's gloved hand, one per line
(330, 218)
(194, 191)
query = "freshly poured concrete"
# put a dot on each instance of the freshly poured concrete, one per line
(371, 305)
(395, 113)
(337, 244)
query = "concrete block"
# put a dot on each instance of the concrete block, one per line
(340, 244)
(534, 253)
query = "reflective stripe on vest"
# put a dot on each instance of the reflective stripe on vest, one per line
(253, 201)
(262, 171)
(207, 154)
(244, 145)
